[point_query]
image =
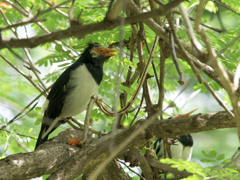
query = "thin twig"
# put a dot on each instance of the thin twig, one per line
(135, 116)
(71, 124)
(11, 132)
(200, 9)
(71, 11)
(153, 65)
(203, 24)
(175, 59)
(87, 117)
(183, 89)
(236, 77)
(22, 73)
(94, 7)
(227, 46)
(24, 22)
(21, 6)
(206, 25)
(225, 6)
(189, 28)
(220, 19)
(90, 128)
(236, 153)
(182, 49)
(28, 110)
(162, 75)
(130, 169)
(52, 7)
(57, 42)
(56, 9)
(21, 145)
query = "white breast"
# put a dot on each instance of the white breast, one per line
(84, 86)
(187, 153)
(177, 150)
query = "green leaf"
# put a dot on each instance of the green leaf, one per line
(213, 152)
(231, 167)
(58, 47)
(33, 114)
(200, 86)
(64, 64)
(226, 162)
(213, 167)
(38, 121)
(205, 153)
(181, 168)
(94, 113)
(38, 109)
(221, 157)
(207, 160)
(235, 172)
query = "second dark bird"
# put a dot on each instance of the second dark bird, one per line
(181, 149)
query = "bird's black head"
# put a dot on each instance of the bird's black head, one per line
(97, 54)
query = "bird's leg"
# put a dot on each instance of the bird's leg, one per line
(87, 118)
(71, 124)
(165, 154)
(172, 141)
(51, 127)
(168, 145)
(72, 142)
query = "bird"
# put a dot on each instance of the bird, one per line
(181, 147)
(74, 88)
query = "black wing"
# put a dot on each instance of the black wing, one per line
(56, 99)
(186, 140)
(157, 147)
(59, 91)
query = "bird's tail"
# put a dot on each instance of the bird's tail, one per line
(48, 126)
(41, 140)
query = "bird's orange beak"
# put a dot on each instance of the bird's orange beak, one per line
(105, 51)
(184, 115)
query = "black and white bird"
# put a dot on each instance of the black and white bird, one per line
(72, 91)
(182, 147)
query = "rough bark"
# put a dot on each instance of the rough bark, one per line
(63, 161)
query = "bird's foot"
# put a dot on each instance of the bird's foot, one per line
(72, 142)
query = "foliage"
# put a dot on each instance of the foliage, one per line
(199, 172)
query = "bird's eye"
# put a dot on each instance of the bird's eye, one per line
(100, 50)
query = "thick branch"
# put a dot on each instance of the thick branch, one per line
(55, 153)
(81, 31)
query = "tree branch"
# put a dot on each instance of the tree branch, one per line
(81, 31)
(57, 151)
(23, 22)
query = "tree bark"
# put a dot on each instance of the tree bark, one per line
(63, 161)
